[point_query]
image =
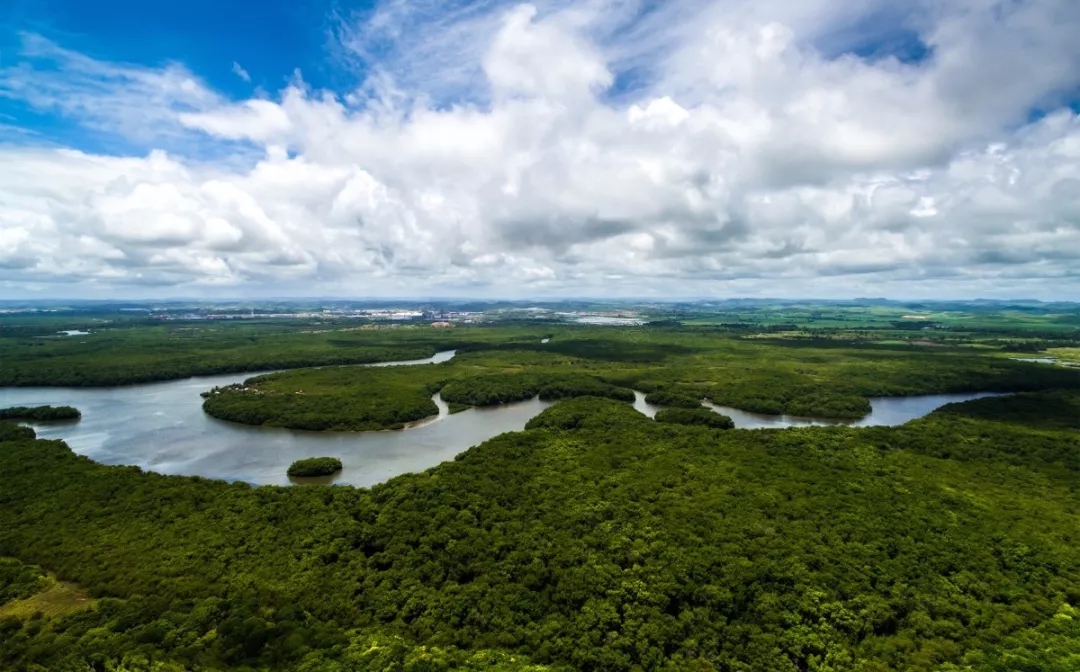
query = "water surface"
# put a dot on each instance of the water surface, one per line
(885, 412)
(161, 427)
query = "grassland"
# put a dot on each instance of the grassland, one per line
(57, 599)
(27, 592)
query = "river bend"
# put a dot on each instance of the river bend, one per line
(161, 427)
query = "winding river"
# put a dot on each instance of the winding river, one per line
(161, 427)
(884, 412)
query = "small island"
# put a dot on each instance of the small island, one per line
(668, 398)
(40, 413)
(701, 416)
(315, 466)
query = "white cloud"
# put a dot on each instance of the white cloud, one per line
(137, 102)
(240, 72)
(506, 156)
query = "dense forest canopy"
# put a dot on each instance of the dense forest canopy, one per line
(597, 539)
(695, 416)
(18, 580)
(676, 368)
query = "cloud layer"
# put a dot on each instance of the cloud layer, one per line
(605, 147)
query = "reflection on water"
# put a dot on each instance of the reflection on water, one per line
(162, 427)
(315, 480)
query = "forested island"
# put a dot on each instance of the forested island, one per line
(40, 413)
(695, 416)
(315, 466)
(596, 539)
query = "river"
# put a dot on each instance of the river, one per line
(884, 412)
(161, 427)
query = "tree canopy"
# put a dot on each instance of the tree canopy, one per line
(315, 466)
(596, 539)
(41, 413)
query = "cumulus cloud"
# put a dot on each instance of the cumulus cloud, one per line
(599, 146)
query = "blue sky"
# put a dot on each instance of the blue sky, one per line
(552, 148)
(242, 48)
(269, 38)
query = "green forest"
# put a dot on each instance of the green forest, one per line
(676, 368)
(315, 466)
(40, 413)
(694, 416)
(596, 539)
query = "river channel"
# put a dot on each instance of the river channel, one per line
(161, 427)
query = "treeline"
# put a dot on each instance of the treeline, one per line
(1057, 409)
(595, 540)
(153, 352)
(337, 398)
(696, 416)
(10, 431)
(776, 401)
(674, 399)
(828, 405)
(42, 413)
(131, 370)
(488, 390)
(840, 387)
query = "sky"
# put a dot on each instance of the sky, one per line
(559, 148)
